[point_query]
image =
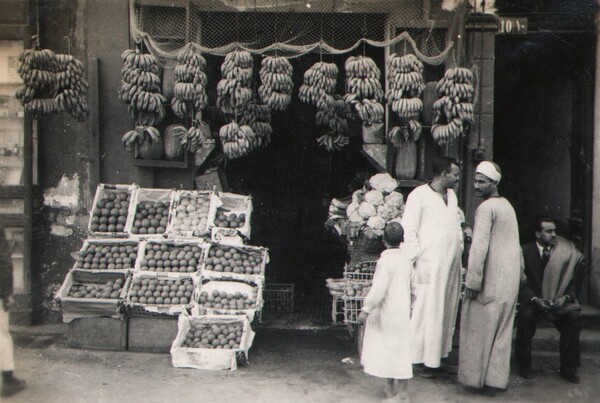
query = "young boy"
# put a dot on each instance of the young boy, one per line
(386, 312)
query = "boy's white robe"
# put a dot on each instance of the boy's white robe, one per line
(495, 270)
(386, 343)
(433, 236)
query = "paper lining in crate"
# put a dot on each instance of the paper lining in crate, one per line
(190, 213)
(236, 262)
(150, 213)
(336, 286)
(100, 254)
(106, 212)
(246, 296)
(159, 294)
(232, 211)
(352, 307)
(206, 349)
(75, 304)
(360, 270)
(183, 256)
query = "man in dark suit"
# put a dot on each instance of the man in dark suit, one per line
(552, 264)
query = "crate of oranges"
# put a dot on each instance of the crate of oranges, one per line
(190, 213)
(172, 256)
(92, 294)
(107, 254)
(216, 297)
(111, 209)
(150, 213)
(232, 211)
(211, 341)
(224, 261)
(149, 295)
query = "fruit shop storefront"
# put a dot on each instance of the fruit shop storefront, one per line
(289, 149)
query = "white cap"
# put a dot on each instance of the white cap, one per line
(488, 169)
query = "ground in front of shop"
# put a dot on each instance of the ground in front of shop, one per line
(286, 365)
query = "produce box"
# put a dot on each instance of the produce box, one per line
(150, 214)
(97, 334)
(235, 262)
(86, 294)
(211, 341)
(159, 294)
(153, 334)
(111, 209)
(360, 271)
(217, 297)
(107, 254)
(352, 307)
(190, 213)
(232, 211)
(174, 256)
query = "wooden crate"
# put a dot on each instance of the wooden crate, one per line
(152, 335)
(98, 333)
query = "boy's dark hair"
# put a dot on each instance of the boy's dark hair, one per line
(393, 233)
(539, 220)
(443, 164)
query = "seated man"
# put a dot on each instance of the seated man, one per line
(552, 264)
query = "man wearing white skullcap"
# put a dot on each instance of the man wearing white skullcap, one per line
(491, 287)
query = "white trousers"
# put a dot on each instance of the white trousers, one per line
(7, 359)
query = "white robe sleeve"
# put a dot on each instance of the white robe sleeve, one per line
(376, 294)
(411, 220)
(479, 248)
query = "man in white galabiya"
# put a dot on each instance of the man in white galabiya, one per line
(433, 239)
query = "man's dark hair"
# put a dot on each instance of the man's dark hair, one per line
(393, 233)
(443, 164)
(539, 220)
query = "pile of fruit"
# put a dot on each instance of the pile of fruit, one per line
(238, 140)
(37, 69)
(360, 270)
(363, 89)
(109, 290)
(151, 217)
(226, 219)
(233, 260)
(233, 90)
(214, 336)
(110, 212)
(276, 78)
(72, 87)
(157, 291)
(171, 258)
(191, 213)
(216, 299)
(405, 78)
(107, 256)
(453, 111)
(357, 289)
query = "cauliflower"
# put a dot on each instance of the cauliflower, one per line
(383, 182)
(356, 218)
(352, 208)
(395, 198)
(376, 222)
(372, 232)
(366, 210)
(375, 197)
(388, 211)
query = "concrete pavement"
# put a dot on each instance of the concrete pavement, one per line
(285, 366)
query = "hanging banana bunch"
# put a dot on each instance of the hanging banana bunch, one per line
(453, 111)
(363, 88)
(138, 135)
(72, 87)
(405, 87)
(333, 141)
(140, 87)
(277, 85)
(334, 116)
(38, 70)
(319, 80)
(233, 90)
(190, 83)
(237, 140)
(258, 117)
(195, 136)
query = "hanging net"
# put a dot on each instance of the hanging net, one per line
(291, 28)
